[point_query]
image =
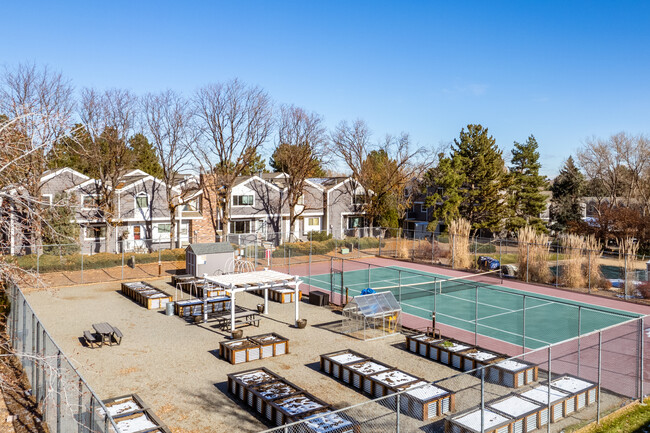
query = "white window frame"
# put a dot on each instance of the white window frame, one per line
(86, 238)
(233, 222)
(48, 199)
(232, 200)
(313, 225)
(83, 201)
(135, 201)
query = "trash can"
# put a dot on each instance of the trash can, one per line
(169, 309)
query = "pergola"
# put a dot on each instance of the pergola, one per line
(258, 280)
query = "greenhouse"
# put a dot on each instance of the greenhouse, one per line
(371, 316)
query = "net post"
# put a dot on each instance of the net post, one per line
(548, 397)
(368, 275)
(332, 278)
(523, 329)
(342, 282)
(399, 283)
(476, 323)
(435, 283)
(600, 361)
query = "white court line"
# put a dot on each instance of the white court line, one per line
(516, 311)
(474, 302)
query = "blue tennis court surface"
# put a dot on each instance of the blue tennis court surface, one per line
(491, 309)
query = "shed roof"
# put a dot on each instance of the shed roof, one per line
(210, 248)
(374, 304)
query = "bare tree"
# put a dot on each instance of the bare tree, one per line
(109, 117)
(299, 153)
(235, 121)
(38, 106)
(384, 169)
(168, 120)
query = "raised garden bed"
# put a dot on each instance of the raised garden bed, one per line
(146, 295)
(195, 307)
(253, 348)
(260, 395)
(361, 371)
(292, 408)
(283, 296)
(477, 358)
(335, 363)
(328, 422)
(527, 415)
(450, 352)
(388, 381)
(558, 399)
(421, 343)
(512, 373)
(470, 422)
(425, 401)
(131, 415)
(238, 383)
(583, 393)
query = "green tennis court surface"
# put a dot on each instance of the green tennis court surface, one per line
(489, 309)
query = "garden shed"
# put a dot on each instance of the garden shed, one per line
(208, 258)
(375, 315)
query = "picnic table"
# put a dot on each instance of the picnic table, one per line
(107, 333)
(246, 317)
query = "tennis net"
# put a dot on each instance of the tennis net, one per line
(440, 286)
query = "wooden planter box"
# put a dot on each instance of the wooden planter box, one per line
(361, 371)
(450, 352)
(328, 422)
(512, 373)
(539, 395)
(388, 382)
(146, 295)
(239, 351)
(238, 383)
(259, 396)
(181, 278)
(123, 405)
(477, 358)
(470, 422)
(334, 363)
(283, 296)
(425, 401)
(194, 307)
(291, 408)
(582, 393)
(271, 344)
(527, 415)
(141, 421)
(421, 344)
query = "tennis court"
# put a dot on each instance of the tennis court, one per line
(478, 304)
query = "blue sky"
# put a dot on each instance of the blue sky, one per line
(563, 71)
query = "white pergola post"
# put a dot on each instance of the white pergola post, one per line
(232, 308)
(266, 300)
(296, 300)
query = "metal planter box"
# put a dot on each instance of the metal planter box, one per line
(259, 396)
(583, 393)
(361, 371)
(477, 358)
(470, 422)
(527, 415)
(424, 401)
(422, 344)
(239, 351)
(328, 422)
(238, 383)
(387, 382)
(558, 400)
(335, 363)
(450, 352)
(271, 344)
(512, 373)
(291, 408)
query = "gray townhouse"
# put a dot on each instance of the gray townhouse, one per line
(141, 221)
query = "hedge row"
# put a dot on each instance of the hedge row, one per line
(325, 247)
(72, 262)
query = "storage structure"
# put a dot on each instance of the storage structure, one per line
(319, 298)
(253, 348)
(146, 295)
(335, 363)
(582, 392)
(426, 401)
(558, 401)
(512, 373)
(527, 415)
(470, 422)
(449, 352)
(209, 258)
(421, 344)
(372, 316)
(196, 307)
(282, 402)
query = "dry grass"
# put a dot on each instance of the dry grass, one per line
(626, 255)
(573, 275)
(459, 231)
(593, 251)
(533, 257)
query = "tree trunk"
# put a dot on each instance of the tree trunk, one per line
(225, 220)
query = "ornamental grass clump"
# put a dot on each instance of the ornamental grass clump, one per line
(572, 274)
(533, 255)
(459, 231)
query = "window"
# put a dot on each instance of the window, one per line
(136, 233)
(240, 226)
(355, 222)
(190, 206)
(358, 199)
(142, 201)
(90, 200)
(313, 222)
(164, 229)
(97, 232)
(242, 200)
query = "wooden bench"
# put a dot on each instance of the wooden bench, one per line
(117, 335)
(90, 339)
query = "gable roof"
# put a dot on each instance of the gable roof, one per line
(49, 174)
(210, 248)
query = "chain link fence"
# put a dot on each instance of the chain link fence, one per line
(67, 402)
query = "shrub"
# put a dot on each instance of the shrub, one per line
(644, 289)
(318, 236)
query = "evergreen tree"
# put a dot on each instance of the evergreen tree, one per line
(145, 156)
(567, 190)
(68, 152)
(526, 200)
(257, 165)
(60, 227)
(472, 180)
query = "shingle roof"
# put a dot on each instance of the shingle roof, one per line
(211, 248)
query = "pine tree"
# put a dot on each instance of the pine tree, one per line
(61, 233)
(68, 152)
(145, 156)
(472, 178)
(567, 189)
(526, 200)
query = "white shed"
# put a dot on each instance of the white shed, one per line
(208, 258)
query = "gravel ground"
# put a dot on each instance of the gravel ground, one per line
(174, 366)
